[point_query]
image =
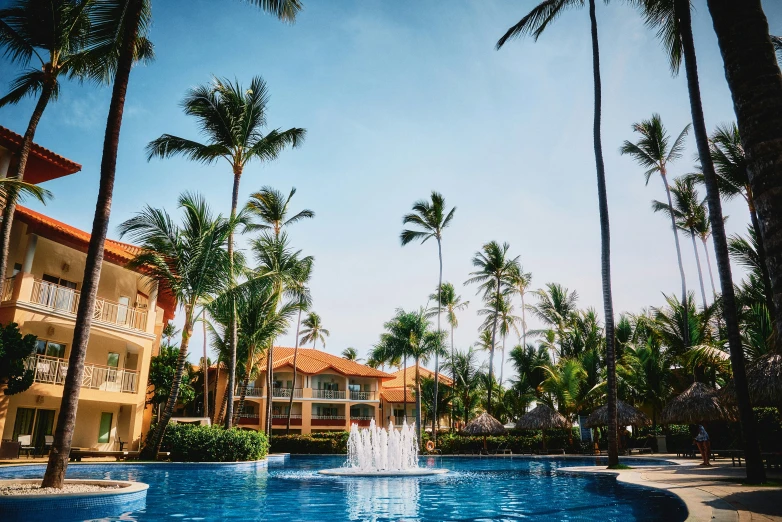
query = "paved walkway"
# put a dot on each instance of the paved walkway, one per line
(715, 493)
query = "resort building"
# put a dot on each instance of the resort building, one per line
(393, 400)
(330, 393)
(40, 293)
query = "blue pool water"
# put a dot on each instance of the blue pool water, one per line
(488, 489)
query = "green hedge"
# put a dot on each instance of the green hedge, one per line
(318, 443)
(192, 443)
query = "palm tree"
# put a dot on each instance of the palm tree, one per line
(301, 277)
(506, 322)
(464, 366)
(351, 354)
(654, 152)
(535, 23)
(270, 207)
(120, 24)
(703, 229)
(313, 330)
(232, 119)
(647, 372)
(673, 20)
(563, 388)
(556, 308)
(529, 362)
(689, 213)
(493, 275)
(430, 219)
(449, 303)
(57, 36)
(189, 259)
(521, 282)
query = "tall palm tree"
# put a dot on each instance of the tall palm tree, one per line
(57, 36)
(449, 303)
(351, 354)
(529, 362)
(556, 308)
(535, 23)
(506, 322)
(120, 24)
(313, 330)
(464, 365)
(429, 219)
(269, 208)
(688, 212)
(191, 260)
(493, 275)
(232, 119)
(673, 20)
(521, 282)
(654, 152)
(299, 283)
(703, 229)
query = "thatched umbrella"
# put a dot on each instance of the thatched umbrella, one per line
(699, 403)
(764, 380)
(626, 415)
(485, 425)
(542, 418)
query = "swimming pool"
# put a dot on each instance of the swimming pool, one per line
(476, 489)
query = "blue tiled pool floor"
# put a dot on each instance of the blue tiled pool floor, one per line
(496, 489)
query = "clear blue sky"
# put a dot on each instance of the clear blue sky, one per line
(399, 98)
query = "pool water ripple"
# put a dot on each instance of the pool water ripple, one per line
(507, 489)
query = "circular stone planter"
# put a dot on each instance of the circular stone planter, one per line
(351, 472)
(118, 497)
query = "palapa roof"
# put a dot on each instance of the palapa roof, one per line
(542, 418)
(698, 403)
(484, 424)
(312, 361)
(764, 381)
(626, 415)
(42, 164)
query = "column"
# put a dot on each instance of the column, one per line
(152, 308)
(29, 254)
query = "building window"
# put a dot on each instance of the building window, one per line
(104, 434)
(113, 360)
(50, 348)
(24, 422)
(399, 412)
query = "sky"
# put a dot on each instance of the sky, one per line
(399, 99)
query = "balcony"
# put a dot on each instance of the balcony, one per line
(362, 396)
(282, 420)
(248, 419)
(285, 393)
(328, 394)
(249, 391)
(361, 422)
(66, 300)
(328, 420)
(52, 370)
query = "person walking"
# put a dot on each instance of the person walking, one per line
(704, 445)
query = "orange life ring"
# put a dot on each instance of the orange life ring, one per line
(430, 446)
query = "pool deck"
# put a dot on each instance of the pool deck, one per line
(714, 493)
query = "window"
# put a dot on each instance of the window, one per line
(24, 422)
(17, 268)
(113, 360)
(50, 348)
(59, 281)
(104, 434)
(122, 309)
(142, 301)
(354, 387)
(333, 386)
(326, 411)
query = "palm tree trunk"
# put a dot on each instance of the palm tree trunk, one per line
(708, 264)
(755, 471)
(404, 389)
(523, 321)
(761, 254)
(605, 250)
(295, 357)
(435, 421)
(151, 448)
(676, 240)
(245, 382)
(453, 379)
(232, 323)
(223, 404)
(502, 363)
(24, 152)
(66, 420)
(698, 263)
(418, 425)
(269, 389)
(491, 348)
(206, 369)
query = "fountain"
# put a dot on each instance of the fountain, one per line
(379, 452)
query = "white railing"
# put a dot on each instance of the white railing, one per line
(8, 289)
(52, 370)
(361, 418)
(250, 391)
(328, 417)
(64, 299)
(286, 392)
(284, 416)
(328, 394)
(362, 395)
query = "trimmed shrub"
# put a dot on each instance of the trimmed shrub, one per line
(333, 443)
(192, 443)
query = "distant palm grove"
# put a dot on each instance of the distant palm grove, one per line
(718, 330)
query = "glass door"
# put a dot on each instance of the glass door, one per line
(44, 425)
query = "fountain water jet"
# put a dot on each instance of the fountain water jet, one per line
(379, 452)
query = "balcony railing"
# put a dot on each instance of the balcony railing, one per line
(361, 417)
(328, 394)
(8, 289)
(285, 416)
(250, 391)
(286, 392)
(362, 396)
(64, 299)
(328, 417)
(52, 370)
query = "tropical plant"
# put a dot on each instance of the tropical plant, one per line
(429, 219)
(268, 210)
(680, 326)
(563, 387)
(464, 366)
(351, 354)
(15, 349)
(299, 284)
(162, 370)
(521, 281)
(58, 37)
(655, 152)
(191, 261)
(232, 118)
(313, 330)
(647, 374)
(556, 308)
(534, 24)
(673, 21)
(529, 363)
(493, 276)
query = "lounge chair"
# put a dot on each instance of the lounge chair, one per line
(48, 441)
(26, 444)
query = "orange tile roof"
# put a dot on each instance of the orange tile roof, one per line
(311, 361)
(115, 252)
(42, 164)
(398, 381)
(395, 395)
